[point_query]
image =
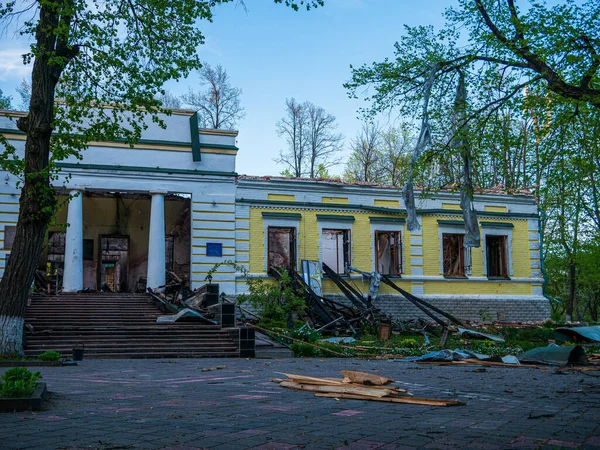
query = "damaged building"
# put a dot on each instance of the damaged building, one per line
(175, 202)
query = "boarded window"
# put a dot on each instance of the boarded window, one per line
(282, 247)
(9, 236)
(453, 255)
(388, 252)
(497, 264)
(336, 249)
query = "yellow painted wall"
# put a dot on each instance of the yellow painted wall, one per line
(387, 203)
(451, 206)
(282, 197)
(490, 208)
(337, 200)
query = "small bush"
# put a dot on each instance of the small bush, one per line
(19, 382)
(50, 355)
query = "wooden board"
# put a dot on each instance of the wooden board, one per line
(407, 400)
(339, 390)
(368, 379)
(314, 380)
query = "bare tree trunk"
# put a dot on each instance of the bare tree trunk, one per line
(37, 198)
(572, 307)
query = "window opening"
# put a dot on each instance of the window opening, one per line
(453, 255)
(336, 249)
(496, 250)
(281, 247)
(9, 236)
(388, 252)
(88, 249)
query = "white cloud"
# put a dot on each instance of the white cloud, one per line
(11, 64)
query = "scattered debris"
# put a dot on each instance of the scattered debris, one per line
(556, 355)
(578, 334)
(358, 386)
(447, 355)
(339, 340)
(210, 369)
(184, 314)
(477, 334)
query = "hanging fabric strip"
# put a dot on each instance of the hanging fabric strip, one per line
(424, 140)
(461, 143)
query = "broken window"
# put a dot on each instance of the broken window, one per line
(388, 252)
(56, 248)
(336, 249)
(9, 236)
(453, 254)
(282, 247)
(88, 249)
(497, 256)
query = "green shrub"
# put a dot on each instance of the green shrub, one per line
(19, 382)
(50, 355)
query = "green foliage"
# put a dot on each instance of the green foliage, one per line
(19, 382)
(49, 355)
(5, 101)
(274, 301)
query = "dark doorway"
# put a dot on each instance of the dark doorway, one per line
(114, 263)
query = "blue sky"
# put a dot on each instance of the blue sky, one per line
(274, 53)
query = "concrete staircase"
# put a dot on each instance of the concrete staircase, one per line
(119, 326)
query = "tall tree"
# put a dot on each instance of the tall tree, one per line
(168, 100)
(87, 53)
(5, 101)
(24, 91)
(364, 163)
(323, 141)
(218, 102)
(294, 128)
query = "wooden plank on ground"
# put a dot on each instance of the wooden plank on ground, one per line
(362, 391)
(368, 379)
(407, 400)
(314, 380)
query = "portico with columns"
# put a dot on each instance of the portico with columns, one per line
(130, 213)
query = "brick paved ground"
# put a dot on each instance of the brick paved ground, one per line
(173, 404)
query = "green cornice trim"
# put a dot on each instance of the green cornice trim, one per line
(335, 217)
(153, 141)
(143, 169)
(387, 220)
(282, 215)
(451, 222)
(505, 215)
(319, 205)
(196, 155)
(497, 224)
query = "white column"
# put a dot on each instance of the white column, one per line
(73, 272)
(156, 244)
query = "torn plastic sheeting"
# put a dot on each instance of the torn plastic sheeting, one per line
(339, 340)
(510, 359)
(447, 355)
(183, 313)
(472, 333)
(579, 333)
(555, 355)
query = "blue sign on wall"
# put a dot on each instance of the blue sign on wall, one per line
(214, 249)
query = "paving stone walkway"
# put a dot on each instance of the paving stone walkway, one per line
(174, 405)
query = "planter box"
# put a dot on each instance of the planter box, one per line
(33, 403)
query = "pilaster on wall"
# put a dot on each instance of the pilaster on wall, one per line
(213, 221)
(9, 214)
(242, 244)
(535, 261)
(416, 258)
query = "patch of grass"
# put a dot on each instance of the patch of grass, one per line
(50, 355)
(19, 382)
